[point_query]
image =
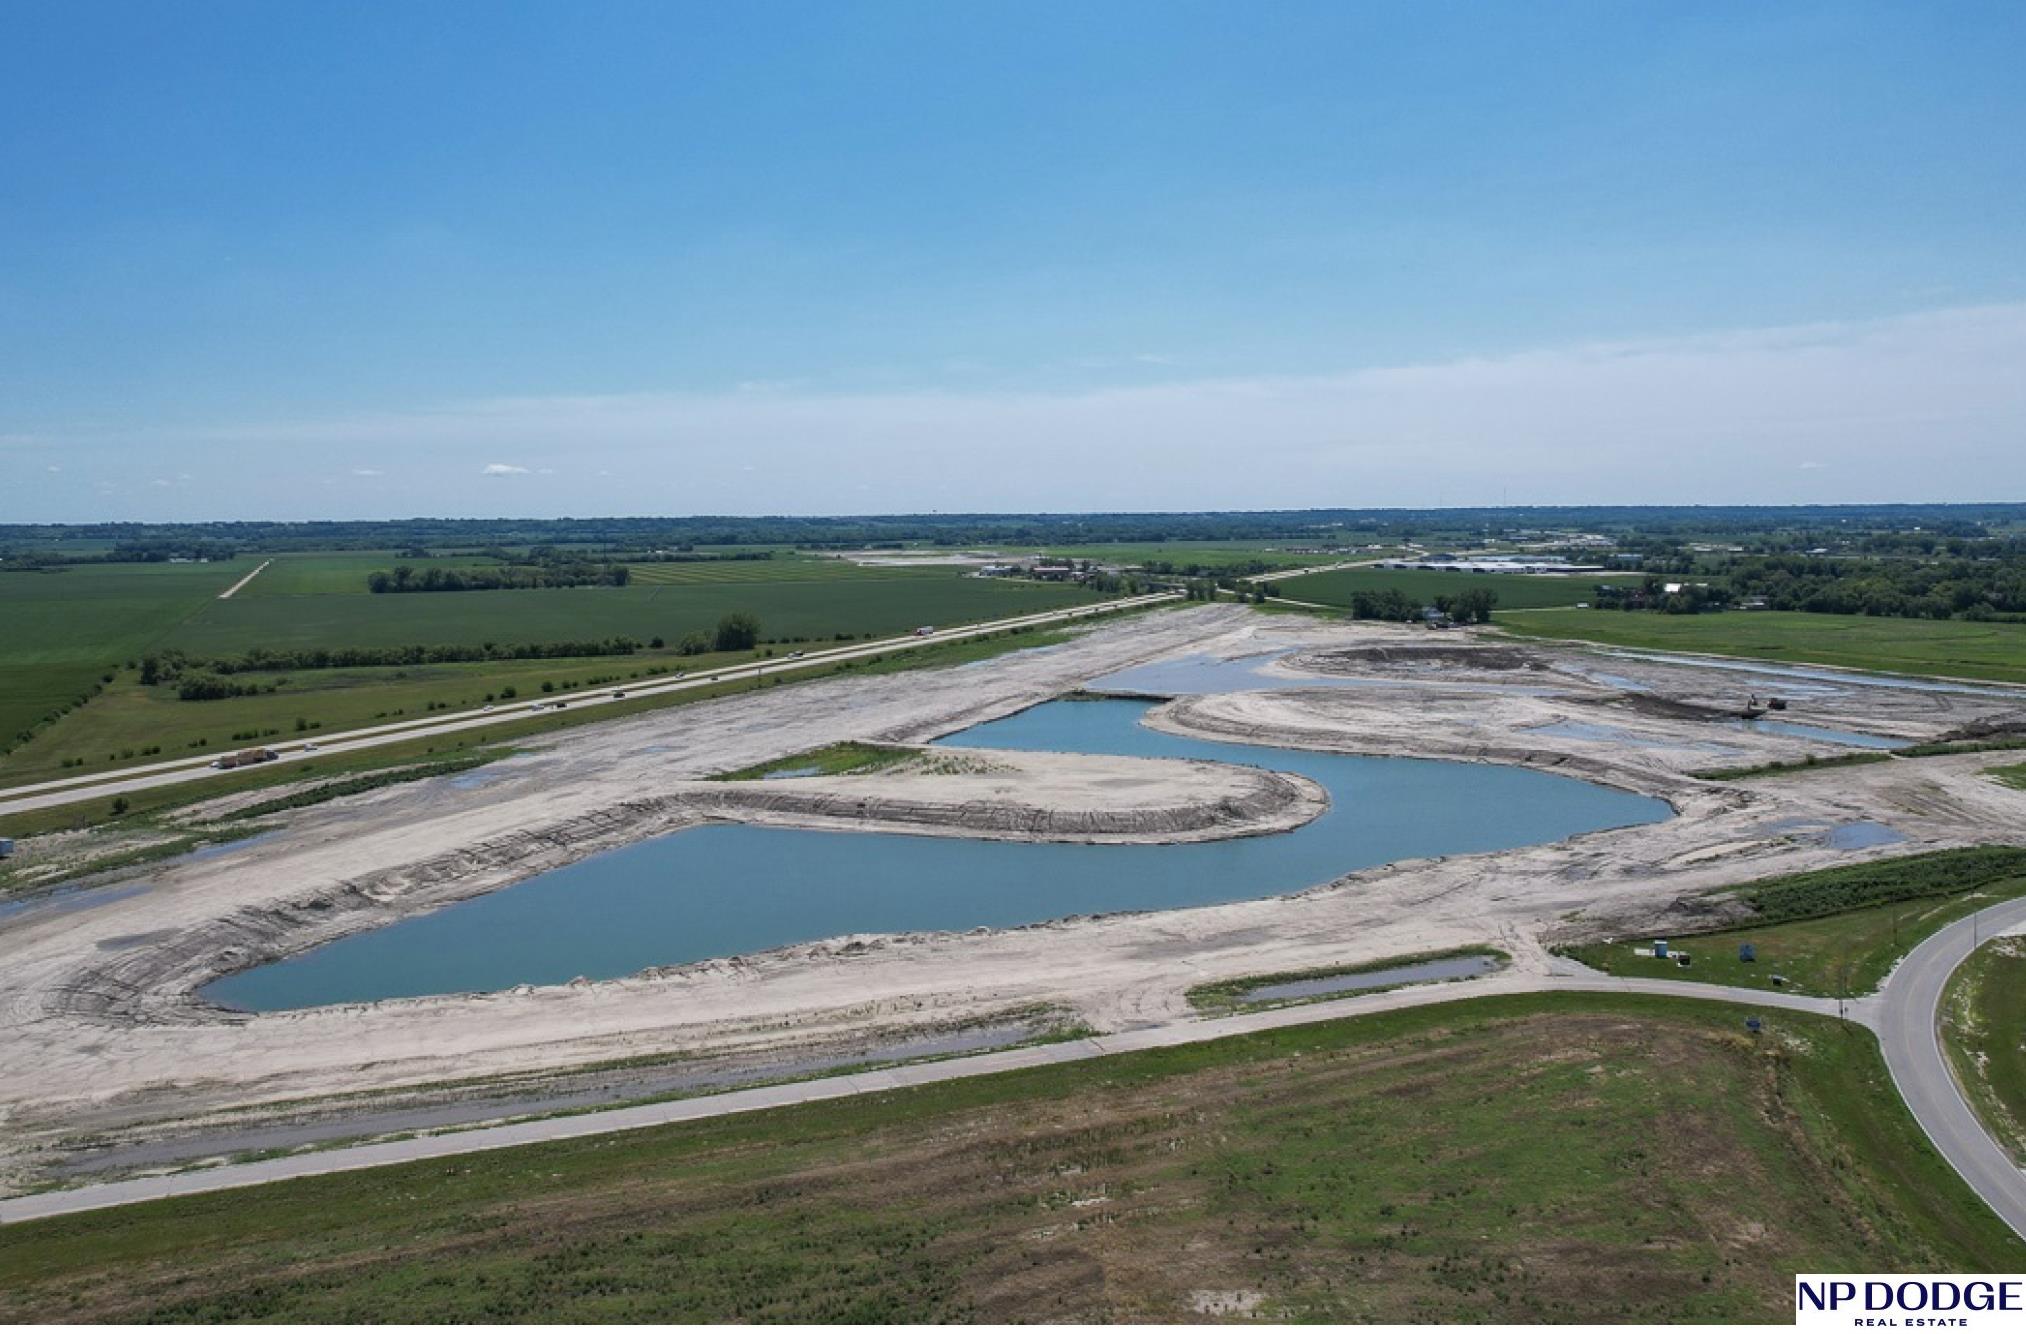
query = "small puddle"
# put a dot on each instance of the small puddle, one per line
(1373, 979)
(1576, 731)
(69, 898)
(1862, 834)
(1809, 732)
(800, 771)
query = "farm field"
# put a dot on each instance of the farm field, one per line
(1980, 650)
(297, 574)
(63, 630)
(1336, 587)
(805, 606)
(1518, 1159)
(1983, 1016)
(73, 627)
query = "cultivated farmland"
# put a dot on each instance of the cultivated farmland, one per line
(61, 631)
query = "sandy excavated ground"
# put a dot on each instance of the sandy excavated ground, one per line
(102, 1039)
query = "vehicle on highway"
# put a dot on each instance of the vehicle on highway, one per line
(921, 630)
(619, 694)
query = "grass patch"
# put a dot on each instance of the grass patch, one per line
(1980, 650)
(1983, 1031)
(1228, 994)
(846, 757)
(1522, 1159)
(1835, 932)
(1777, 768)
(2011, 775)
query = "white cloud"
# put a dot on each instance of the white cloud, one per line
(1920, 407)
(368, 472)
(54, 467)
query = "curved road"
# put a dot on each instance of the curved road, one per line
(1903, 1014)
(1908, 1022)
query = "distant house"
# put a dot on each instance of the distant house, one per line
(1752, 604)
(1435, 618)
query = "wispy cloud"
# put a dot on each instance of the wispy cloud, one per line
(368, 472)
(1927, 406)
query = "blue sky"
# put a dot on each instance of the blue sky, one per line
(302, 260)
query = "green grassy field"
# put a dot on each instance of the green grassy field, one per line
(70, 628)
(1984, 1033)
(1336, 587)
(2011, 775)
(1835, 932)
(336, 573)
(60, 631)
(155, 806)
(1523, 1159)
(805, 607)
(1986, 651)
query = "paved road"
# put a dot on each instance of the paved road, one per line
(1908, 1024)
(354, 1157)
(60, 792)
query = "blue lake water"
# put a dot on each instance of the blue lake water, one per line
(722, 890)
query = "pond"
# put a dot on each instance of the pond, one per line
(730, 889)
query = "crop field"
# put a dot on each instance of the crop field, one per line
(60, 631)
(782, 569)
(1514, 1159)
(298, 574)
(67, 630)
(796, 609)
(1983, 1020)
(1980, 650)
(1336, 587)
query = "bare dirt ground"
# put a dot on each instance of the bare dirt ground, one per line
(103, 1040)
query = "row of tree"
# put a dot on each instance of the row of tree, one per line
(470, 578)
(1466, 605)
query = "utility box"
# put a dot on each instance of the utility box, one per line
(1660, 949)
(1746, 954)
(6, 847)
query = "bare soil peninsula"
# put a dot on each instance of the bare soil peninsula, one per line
(105, 1043)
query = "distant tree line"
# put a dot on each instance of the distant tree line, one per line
(471, 578)
(1926, 588)
(1644, 525)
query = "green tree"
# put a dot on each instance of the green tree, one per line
(737, 631)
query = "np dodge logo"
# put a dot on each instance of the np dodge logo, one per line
(1909, 1301)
